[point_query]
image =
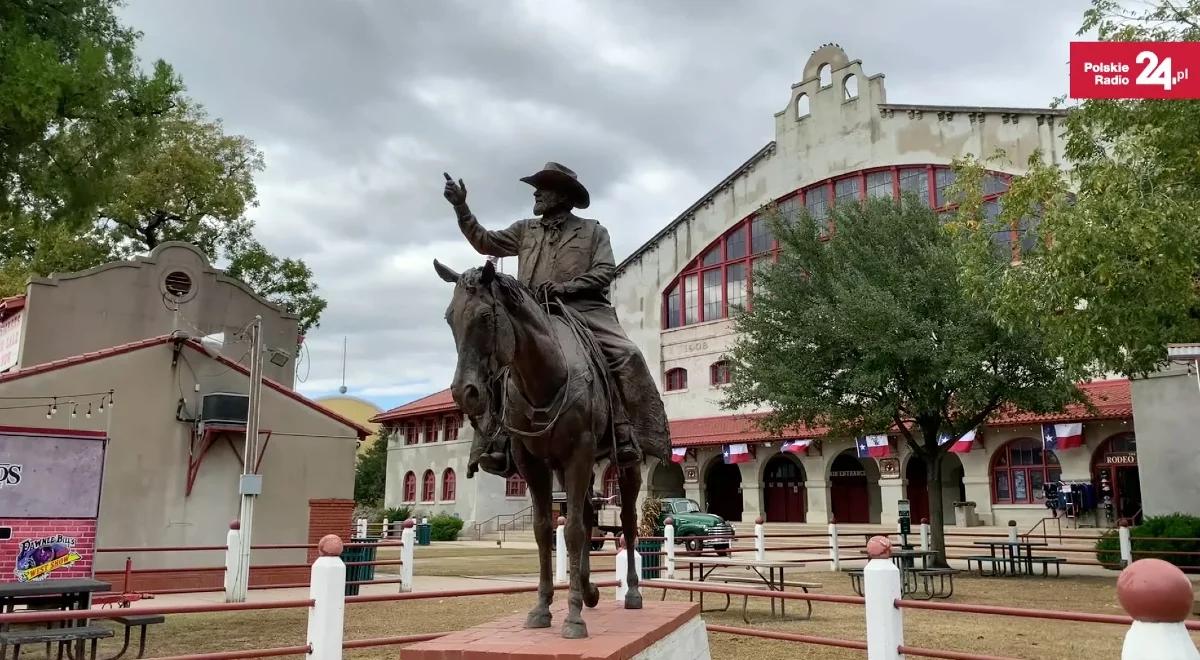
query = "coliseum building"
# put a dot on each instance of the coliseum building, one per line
(837, 138)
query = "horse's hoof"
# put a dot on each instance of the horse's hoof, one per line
(538, 620)
(591, 595)
(633, 600)
(573, 630)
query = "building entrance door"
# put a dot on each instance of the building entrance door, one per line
(783, 491)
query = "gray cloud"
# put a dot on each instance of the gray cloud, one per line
(360, 105)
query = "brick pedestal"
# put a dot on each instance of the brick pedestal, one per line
(659, 631)
(329, 516)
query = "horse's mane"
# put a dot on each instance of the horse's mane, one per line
(506, 286)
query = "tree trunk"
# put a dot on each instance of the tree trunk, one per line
(937, 532)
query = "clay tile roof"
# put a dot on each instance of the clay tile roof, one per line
(438, 402)
(1112, 399)
(11, 304)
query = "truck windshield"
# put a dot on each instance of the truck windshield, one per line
(688, 506)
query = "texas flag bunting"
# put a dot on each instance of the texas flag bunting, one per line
(1062, 436)
(678, 454)
(873, 446)
(739, 453)
(795, 446)
(962, 445)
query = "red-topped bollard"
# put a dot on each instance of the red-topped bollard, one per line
(669, 545)
(835, 553)
(1125, 542)
(327, 589)
(1159, 598)
(410, 523)
(760, 540)
(408, 539)
(879, 547)
(881, 589)
(330, 545)
(235, 524)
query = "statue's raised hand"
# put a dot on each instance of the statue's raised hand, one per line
(455, 193)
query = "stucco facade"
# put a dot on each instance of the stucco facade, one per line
(1167, 410)
(837, 135)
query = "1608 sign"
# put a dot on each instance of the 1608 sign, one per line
(10, 474)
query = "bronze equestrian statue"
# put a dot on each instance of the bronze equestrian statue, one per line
(548, 378)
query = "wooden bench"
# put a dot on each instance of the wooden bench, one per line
(942, 576)
(760, 585)
(997, 562)
(63, 637)
(131, 621)
(1046, 562)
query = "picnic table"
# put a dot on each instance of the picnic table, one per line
(913, 579)
(1014, 555)
(706, 566)
(66, 594)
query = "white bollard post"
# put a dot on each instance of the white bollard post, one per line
(1012, 531)
(924, 535)
(760, 540)
(834, 559)
(1159, 598)
(882, 588)
(408, 538)
(623, 568)
(1126, 542)
(327, 589)
(669, 545)
(560, 551)
(235, 590)
(362, 528)
(383, 533)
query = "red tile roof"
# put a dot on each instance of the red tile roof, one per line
(194, 345)
(1112, 399)
(11, 304)
(438, 402)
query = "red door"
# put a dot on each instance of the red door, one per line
(850, 502)
(784, 490)
(918, 489)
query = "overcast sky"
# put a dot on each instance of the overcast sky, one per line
(360, 105)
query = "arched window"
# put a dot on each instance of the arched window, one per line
(1020, 469)
(612, 483)
(410, 487)
(717, 283)
(803, 109)
(515, 486)
(719, 374)
(448, 486)
(850, 85)
(676, 379)
(431, 427)
(429, 483)
(825, 74)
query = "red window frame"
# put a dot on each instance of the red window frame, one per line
(997, 181)
(431, 429)
(612, 481)
(452, 424)
(410, 487)
(675, 379)
(515, 486)
(411, 431)
(448, 485)
(428, 486)
(719, 373)
(1005, 470)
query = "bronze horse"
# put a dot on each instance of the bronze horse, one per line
(553, 400)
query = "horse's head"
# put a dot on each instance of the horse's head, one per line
(483, 332)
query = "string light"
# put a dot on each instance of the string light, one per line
(110, 399)
(89, 411)
(54, 407)
(75, 411)
(49, 412)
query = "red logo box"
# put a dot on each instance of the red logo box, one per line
(1135, 70)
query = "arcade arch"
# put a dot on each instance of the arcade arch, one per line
(667, 480)
(854, 495)
(1115, 475)
(916, 476)
(723, 490)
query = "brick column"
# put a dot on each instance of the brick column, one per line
(329, 516)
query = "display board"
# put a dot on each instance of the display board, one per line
(50, 483)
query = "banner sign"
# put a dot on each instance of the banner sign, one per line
(1135, 70)
(46, 476)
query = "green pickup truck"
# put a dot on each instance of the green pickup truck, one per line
(690, 523)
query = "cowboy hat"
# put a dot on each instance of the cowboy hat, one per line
(555, 175)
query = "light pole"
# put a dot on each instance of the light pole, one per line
(250, 484)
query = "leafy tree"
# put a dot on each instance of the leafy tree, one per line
(370, 474)
(871, 329)
(1117, 278)
(99, 161)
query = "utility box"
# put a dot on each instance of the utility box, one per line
(964, 514)
(50, 481)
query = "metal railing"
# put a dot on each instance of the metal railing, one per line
(525, 516)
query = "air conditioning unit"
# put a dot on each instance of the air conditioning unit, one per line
(224, 408)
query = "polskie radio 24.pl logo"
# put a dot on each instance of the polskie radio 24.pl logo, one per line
(1135, 70)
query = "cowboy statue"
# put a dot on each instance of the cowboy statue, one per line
(565, 258)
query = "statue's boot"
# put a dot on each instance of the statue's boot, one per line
(627, 450)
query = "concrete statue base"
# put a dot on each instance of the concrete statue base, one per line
(659, 631)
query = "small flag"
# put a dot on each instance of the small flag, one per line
(739, 453)
(962, 445)
(873, 446)
(1062, 436)
(678, 454)
(795, 446)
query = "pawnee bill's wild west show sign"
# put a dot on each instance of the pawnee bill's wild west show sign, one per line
(49, 501)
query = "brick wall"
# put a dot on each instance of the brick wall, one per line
(200, 579)
(80, 534)
(329, 516)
